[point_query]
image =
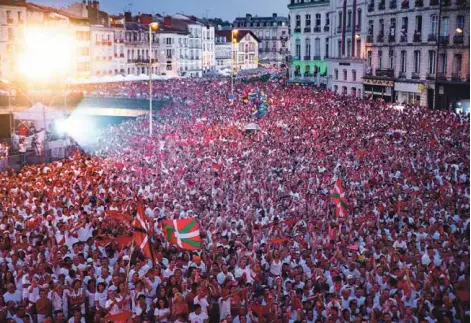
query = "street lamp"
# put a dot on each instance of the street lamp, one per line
(233, 41)
(152, 26)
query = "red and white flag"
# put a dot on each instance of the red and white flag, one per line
(140, 236)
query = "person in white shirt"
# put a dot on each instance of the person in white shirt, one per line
(201, 300)
(162, 311)
(198, 316)
(12, 294)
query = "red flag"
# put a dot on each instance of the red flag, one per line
(278, 240)
(338, 197)
(123, 241)
(120, 317)
(184, 233)
(140, 236)
(217, 166)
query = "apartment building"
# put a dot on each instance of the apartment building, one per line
(273, 33)
(245, 50)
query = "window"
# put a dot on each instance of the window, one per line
(340, 19)
(358, 48)
(392, 27)
(354, 75)
(327, 47)
(381, 26)
(380, 59)
(336, 74)
(336, 88)
(444, 26)
(327, 19)
(404, 27)
(318, 19)
(460, 22)
(349, 47)
(308, 47)
(403, 61)
(418, 24)
(457, 63)
(168, 41)
(11, 35)
(358, 18)
(19, 16)
(432, 60)
(369, 57)
(344, 90)
(308, 20)
(443, 63)
(349, 19)
(417, 61)
(370, 27)
(344, 75)
(169, 66)
(317, 47)
(8, 14)
(298, 48)
(169, 53)
(339, 48)
(391, 58)
(434, 24)
(298, 20)
(354, 91)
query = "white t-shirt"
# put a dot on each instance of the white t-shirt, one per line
(15, 297)
(203, 302)
(198, 318)
(160, 312)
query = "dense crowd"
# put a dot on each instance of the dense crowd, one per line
(273, 248)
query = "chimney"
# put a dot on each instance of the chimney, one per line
(167, 21)
(127, 16)
(275, 15)
(248, 16)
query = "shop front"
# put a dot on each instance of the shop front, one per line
(378, 89)
(410, 93)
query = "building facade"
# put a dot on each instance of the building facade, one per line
(244, 48)
(273, 33)
(102, 50)
(414, 51)
(209, 50)
(223, 52)
(346, 63)
(310, 26)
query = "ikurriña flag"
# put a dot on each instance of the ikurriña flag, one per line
(338, 197)
(141, 234)
(183, 233)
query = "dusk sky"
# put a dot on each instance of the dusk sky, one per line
(225, 9)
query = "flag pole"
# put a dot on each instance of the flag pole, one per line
(129, 262)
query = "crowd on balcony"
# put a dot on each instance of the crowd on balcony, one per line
(274, 249)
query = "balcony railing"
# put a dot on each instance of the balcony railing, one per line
(380, 38)
(456, 76)
(458, 39)
(339, 29)
(434, 2)
(444, 40)
(419, 3)
(405, 4)
(358, 28)
(415, 76)
(446, 3)
(432, 37)
(297, 29)
(382, 5)
(317, 29)
(369, 38)
(430, 76)
(393, 4)
(326, 28)
(307, 58)
(371, 7)
(403, 38)
(9, 20)
(402, 75)
(307, 29)
(316, 57)
(385, 72)
(392, 38)
(417, 38)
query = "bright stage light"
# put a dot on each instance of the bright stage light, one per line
(48, 52)
(79, 127)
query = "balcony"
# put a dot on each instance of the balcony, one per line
(369, 38)
(385, 72)
(297, 29)
(446, 3)
(392, 38)
(326, 28)
(371, 7)
(317, 29)
(307, 29)
(348, 29)
(393, 4)
(444, 40)
(458, 39)
(273, 37)
(419, 3)
(432, 37)
(441, 76)
(405, 4)
(316, 57)
(456, 76)
(403, 38)
(358, 28)
(382, 5)
(339, 29)
(417, 38)
(415, 76)
(296, 58)
(430, 76)
(434, 2)
(380, 38)
(307, 58)
(402, 75)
